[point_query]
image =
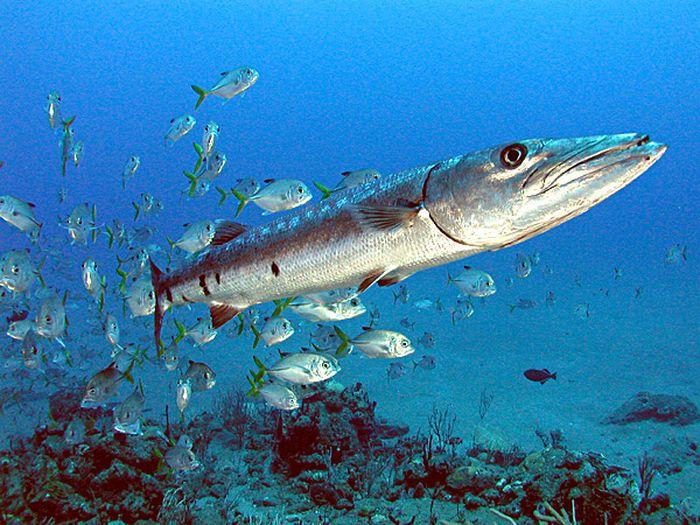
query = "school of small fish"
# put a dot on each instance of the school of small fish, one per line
(39, 311)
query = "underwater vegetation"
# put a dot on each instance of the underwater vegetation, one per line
(332, 462)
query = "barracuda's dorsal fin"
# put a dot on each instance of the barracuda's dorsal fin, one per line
(226, 231)
(222, 314)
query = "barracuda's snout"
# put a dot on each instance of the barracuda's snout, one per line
(507, 194)
(560, 162)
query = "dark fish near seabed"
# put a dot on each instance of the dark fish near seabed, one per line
(389, 229)
(539, 376)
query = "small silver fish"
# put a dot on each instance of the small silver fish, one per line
(304, 368)
(279, 396)
(351, 179)
(140, 298)
(333, 296)
(214, 165)
(31, 352)
(246, 187)
(396, 371)
(130, 169)
(474, 282)
(407, 323)
(582, 311)
(676, 254)
(278, 195)
(428, 340)
(102, 387)
(384, 344)
(82, 223)
(427, 362)
(18, 272)
(147, 204)
(232, 83)
(274, 331)
(202, 332)
(76, 153)
(181, 459)
(463, 310)
(201, 377)
(179, 127)
(324, 338)
(402, 295)
(19, 214)
(111, 328)
(523, 266)
(171, 359)
(183, 394)
(424, 304)
(211, 135)
(127, 416)
(321, 313)
(197, 236)
(94, 285)
(51, 319)
(65, 144)
(53, 109)
(19, 329)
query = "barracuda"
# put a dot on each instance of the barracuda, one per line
(389, 229)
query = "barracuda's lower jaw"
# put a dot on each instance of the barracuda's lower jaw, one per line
(614, 165)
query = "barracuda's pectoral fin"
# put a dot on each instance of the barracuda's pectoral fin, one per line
(226, 231)
(386, 218)
(222, 314)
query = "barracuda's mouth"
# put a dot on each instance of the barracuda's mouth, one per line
(592, 160)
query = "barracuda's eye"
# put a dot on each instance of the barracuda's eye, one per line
(513, 156)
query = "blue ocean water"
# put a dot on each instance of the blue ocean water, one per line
(351, 85)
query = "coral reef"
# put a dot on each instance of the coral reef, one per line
(333, 461)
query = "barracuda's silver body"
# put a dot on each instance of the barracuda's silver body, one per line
(391, 228)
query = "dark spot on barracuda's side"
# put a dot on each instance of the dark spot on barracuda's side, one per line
(185, 299)
(203, 284)
(217, 276)
(169, 294)
(275, 268)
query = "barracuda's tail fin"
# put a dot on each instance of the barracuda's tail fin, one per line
(159, 311)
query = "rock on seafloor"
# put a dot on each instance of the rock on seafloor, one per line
(663, 408)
